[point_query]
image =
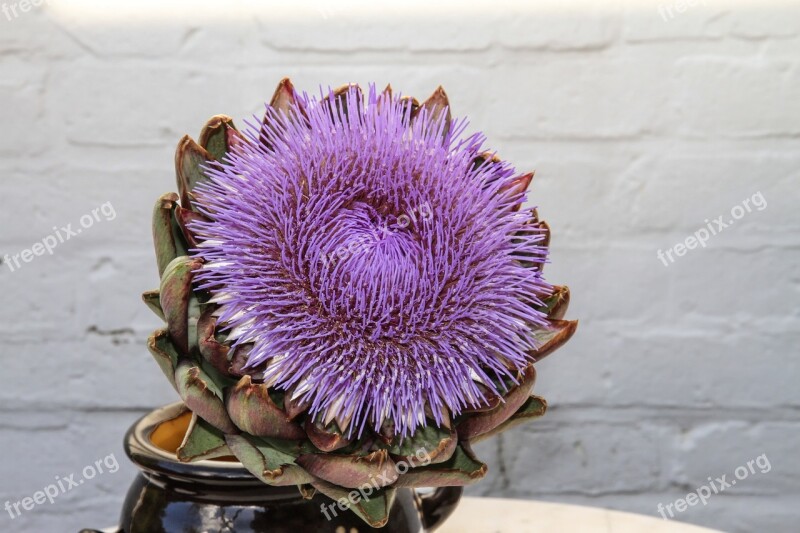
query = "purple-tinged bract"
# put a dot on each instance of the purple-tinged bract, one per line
(370, 265)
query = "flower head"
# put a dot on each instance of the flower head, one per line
(370, 262)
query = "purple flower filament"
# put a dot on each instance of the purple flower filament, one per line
(434, 312)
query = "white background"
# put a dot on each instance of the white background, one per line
(642, 120)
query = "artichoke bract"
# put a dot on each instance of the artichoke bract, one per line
(353, 294)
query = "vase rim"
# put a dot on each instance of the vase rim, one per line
(154, 460)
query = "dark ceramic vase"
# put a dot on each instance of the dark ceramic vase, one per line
(219, 496)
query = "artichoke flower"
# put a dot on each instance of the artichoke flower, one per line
(351, 285)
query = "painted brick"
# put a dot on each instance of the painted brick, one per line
(639, 128)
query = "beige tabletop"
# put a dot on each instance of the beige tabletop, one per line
(495, 515)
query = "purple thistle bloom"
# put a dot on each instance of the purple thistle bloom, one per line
(368, 264)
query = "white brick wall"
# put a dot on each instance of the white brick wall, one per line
(640, 127)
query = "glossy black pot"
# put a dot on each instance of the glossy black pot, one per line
(221, 496)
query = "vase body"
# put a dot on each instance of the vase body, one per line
(159, 505)
(222, 496)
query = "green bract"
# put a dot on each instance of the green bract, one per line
(235, 413)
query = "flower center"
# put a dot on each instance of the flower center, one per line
(364, 233)
(371, 257)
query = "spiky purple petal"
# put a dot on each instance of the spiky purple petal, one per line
(430, 294)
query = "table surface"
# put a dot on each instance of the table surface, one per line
(496, 515)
